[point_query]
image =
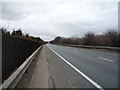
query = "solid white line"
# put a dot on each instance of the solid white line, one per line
(90, 80)
(106, 59)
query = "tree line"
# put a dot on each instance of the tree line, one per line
(108, 38)
(19, 33)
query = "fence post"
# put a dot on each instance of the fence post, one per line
(0, 57)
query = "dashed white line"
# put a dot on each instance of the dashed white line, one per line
(106, 59)
(85, 76)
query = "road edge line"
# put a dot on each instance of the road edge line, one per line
(85, 76)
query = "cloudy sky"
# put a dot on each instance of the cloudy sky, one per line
(60, 18)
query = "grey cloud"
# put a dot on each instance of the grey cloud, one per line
(49, 20)
(13, 10)
(22, 10)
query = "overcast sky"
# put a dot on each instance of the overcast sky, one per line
(50, 19)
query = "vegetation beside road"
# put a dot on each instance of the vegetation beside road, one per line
(20, 34)
(109, 38)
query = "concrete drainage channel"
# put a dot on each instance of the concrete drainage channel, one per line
(12, 81)
(51, 83)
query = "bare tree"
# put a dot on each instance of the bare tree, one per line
(109, 38)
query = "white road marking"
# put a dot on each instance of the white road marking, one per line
(85, 76)
(106, 59)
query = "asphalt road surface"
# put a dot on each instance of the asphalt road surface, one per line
(86, 68)
(67, 67)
